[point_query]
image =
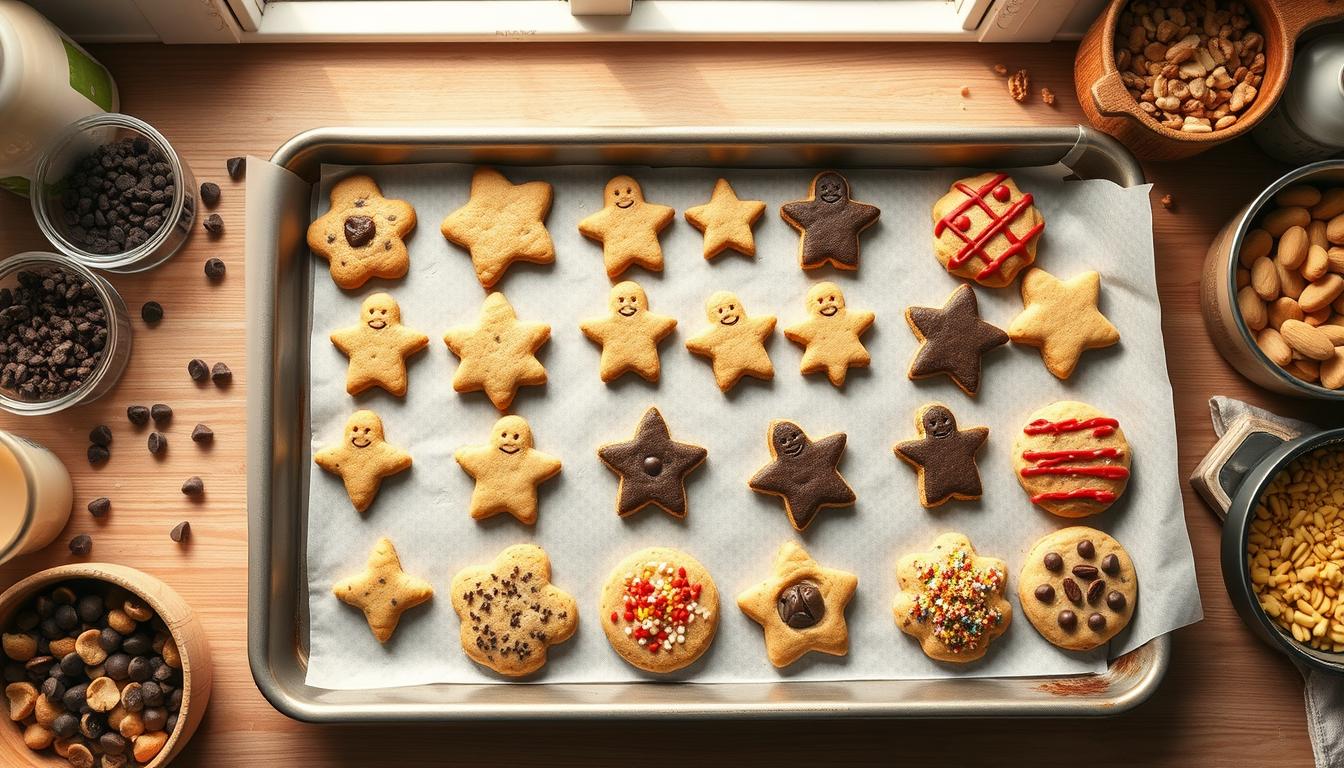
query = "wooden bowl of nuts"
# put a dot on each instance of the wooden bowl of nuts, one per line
(1172, 78)
(104, 667)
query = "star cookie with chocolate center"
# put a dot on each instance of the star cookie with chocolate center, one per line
(498, 354)
(510, 611)
(362, 235)
(383, 591)
(952, 600)
(630, 334)
(829, 223)
(734, 342)
(627, 227)
(803, 473)
(507, 471)
(830, 337)
(726, 221)
(502, 223)
(652, 467)
(1061, 317)
(801, 607)
(986, 229)
(378, 347)
(943, 456)
(952, 339)
(363, 458)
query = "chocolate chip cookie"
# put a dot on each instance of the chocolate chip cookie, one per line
(1078, 588)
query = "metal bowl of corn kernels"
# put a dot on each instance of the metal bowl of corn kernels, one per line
(1282, 549)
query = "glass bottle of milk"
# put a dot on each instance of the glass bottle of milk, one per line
(35, 496)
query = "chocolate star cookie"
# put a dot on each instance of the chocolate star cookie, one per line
(952, 339)
(383, 591)
(1078, 588)
(362, 234)
(652, 467)
(803, 473)
(944, 456)
(801, 607)
(829, 223)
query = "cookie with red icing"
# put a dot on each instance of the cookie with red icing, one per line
(986, 229)
(1072, 459)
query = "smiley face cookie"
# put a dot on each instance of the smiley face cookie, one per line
(498, 354)
(507, 471)
(627, 227)
(363, 458)
(952, 600)
(1072, 459)
(829, 223)
(986, 229)
(502, 223)
(1061, 317)
(659, 609)
(803, 473)
(630, 334)
(830, 336)
(726, 221)
(511, 614)
(652, 467)
(801, 607)
(944, 456)
(378, 347)
(734, 342)
(952, 339)
(383, 591)
(362, 234)
(1078, 588)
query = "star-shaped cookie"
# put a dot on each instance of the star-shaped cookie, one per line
(378, 347)
(498, 354)
(511, 613)
(383, 591)
(803, 473)
(652, 467)
(829, 223)
(734, 343)
(363, 458)
(943, 456)
(502, 223)
(630, 334)
(801, 607)
(507, 471)
(1061, 317)
(726, 221)
(952, 339)
(362, 234)
(952, 600)
(830, 337)
(627, 227)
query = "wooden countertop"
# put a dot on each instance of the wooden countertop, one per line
(1227, 700)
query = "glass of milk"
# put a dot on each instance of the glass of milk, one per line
(35, 496)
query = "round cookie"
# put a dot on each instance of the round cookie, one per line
(1078, 588)
(1072, 459)
(986, 229)
(660, 636)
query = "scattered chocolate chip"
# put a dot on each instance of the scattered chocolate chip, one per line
(1045, 593)
(210, 194)
(237, 167)
(138, 415)
(1073, 591)
(158, 443)
(194, 486)
(1068, 620)
(220, 374)
(1110, 564)
(1086, 549)
(151, 312)
(81, 545)
(214, 224)
(1096, 622)
(202, 434)
(98, 454)
(214, 269)
(197, 369)
(1115, 601)
(1053, 562)
(161, 414)
(100, 506)
(180, 532)
(53, 334)
(101, 435)
(1094, 591)
(1085, 572)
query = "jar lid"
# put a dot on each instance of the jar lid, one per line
(1315, 95)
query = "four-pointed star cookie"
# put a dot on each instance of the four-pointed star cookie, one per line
(383, 591)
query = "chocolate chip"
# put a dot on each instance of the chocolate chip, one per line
(109, 640)
(1096, 622)
(66, 617)
(1086, 549)
(1045, 593)
(1085, 572)
(1053, 562)
(53, 334)
(1115, 601)
(101, 435)
(800, 605)
(202, 434)
(81, 545)
(237, 167)
(1073, 591)
(197, 369)
(214, 269)
(113, 743)
(117, 666)
(155, 718)
(138, 670)
(53, 688)
(194, 486)
(98, 455)
(89, 608)
(65, 725)
(161, 414)
(138, 415)
(1094, 591)
(115, 196)
(1110, 564)
(158, 443)
(220, 374)
(151, 312)
(653, 466)
(181, 532)
(1068, 620)
(99, 507)
(210, 194)
(214, 224)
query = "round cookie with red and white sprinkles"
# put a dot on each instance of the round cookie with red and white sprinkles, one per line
(660, 609)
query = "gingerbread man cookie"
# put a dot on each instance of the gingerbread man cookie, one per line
(1078, 588)
(801, 607)
(507, 471)
(383, 591)
(803, 473)
(944, 456)
(830, 337)
(628, 227)
(378, 347)
(734, 343)
(985, 229)
(502, 223)
(952, 339)
(726, 221)
(652, 467)
(362, 234)
(498, 354)
(952, 600)
(1072, 459)
(829, 223)
(363, 458)
(1061, 317)
(660, 609)
(630, 334)
(511, 613)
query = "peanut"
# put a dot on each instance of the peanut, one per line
(37, 737)
(19, 646)
(1265, 279)
(1321, 293)
(1277, 221)
(22, 699)
(1275, 348)
(1293, 245)
(147, 746)
(1252, 308)
(102, 694)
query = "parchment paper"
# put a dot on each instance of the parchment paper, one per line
(733, 531)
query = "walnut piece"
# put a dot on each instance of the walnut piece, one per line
(1019, 85)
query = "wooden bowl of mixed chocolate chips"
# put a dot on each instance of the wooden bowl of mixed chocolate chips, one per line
(104, 667)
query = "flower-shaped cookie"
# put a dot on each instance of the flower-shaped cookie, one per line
(362, 234)
(952, 600)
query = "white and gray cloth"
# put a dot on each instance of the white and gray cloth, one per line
(1324, 692)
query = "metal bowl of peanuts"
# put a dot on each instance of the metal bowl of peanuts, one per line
(1273, 285)
(1283, 550)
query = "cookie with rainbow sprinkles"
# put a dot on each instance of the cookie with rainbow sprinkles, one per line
(952, 600)
(660, 609)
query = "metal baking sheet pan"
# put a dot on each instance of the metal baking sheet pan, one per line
(279, 298)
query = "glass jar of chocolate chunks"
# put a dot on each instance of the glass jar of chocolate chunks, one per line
(111, 193)
(65, 334)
